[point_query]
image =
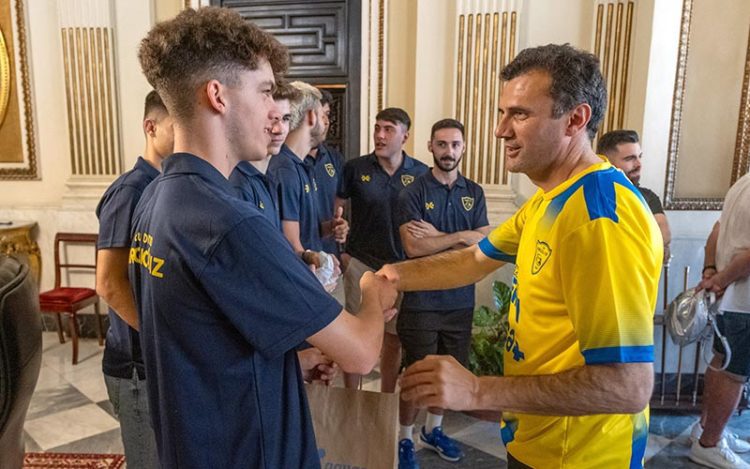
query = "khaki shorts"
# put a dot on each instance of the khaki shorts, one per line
(354, 272)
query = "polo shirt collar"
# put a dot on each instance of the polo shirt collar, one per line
(187, 163)
(288, 153)
(142, 165)
(406, 163)
(246, 168)
(460, 181)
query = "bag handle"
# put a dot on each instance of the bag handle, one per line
(712, 319)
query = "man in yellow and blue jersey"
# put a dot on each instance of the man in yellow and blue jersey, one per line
(579, 351)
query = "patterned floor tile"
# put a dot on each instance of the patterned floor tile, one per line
(61, 428)
(53, 400)
(107, 443)
(473, 458)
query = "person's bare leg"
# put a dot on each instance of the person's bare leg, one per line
(708, 380)
(725, 393)
(390, 362)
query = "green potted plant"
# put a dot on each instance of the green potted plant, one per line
(489, 331)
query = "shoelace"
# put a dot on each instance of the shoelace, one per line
(443, 440)
(726, 452)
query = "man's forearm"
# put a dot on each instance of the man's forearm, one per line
(738, 268)
(450, 269)
(121, 301)
(433, 244)
(609, 389)
(709, 258)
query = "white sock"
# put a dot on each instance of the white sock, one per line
(432, 421)
(406, 432)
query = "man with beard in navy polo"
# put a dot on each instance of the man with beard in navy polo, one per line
(441, 210)
(328, 163)
(372, 183)
(122, 364)
(223, 301)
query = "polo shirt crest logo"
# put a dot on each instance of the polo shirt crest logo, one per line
(307, 188)
(261, 206)
(468, 202)
(543, 253)
(365, 178)
(429, 205)
(330, 169)
(407, 179)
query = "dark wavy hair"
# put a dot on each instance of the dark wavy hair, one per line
(576, 79)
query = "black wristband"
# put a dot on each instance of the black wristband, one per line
(707, 267)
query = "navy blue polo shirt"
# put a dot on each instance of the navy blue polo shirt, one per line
(461, 207)
(122, 350)
(327, 166)
(296, 188)
(255, 187)
(374, 237)
(223, 302)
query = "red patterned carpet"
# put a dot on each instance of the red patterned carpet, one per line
(73, 461)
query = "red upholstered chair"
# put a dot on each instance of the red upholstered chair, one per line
(69, 300)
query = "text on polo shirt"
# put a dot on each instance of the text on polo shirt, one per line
(143, 257)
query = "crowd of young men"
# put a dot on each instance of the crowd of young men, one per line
(220, 248)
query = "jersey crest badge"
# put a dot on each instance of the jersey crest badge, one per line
(330, 169)
(468, 202)
(365, 178)
(429, 205)
(543, 252)
(407, 179)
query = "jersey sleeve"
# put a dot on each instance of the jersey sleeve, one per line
(607, 281)
(290, 194)
(409, 206)
(502, 242)
(115, 217)
(265, 290)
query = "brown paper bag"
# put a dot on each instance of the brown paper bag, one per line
(354, 429)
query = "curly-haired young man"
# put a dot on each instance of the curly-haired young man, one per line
(223, 300)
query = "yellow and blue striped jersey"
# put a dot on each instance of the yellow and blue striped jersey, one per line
(588, 258)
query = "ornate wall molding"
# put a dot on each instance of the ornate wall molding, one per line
(17, 124)
(88, 49)
(675, 197)
(613, 35)
(486, 41)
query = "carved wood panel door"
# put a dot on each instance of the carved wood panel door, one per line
(324, 40)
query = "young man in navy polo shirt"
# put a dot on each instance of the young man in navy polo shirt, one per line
(441, 210)
(123, 368)
(328, 163)
(372, 183)
(249, 177)
(222, 298)
(295, 180)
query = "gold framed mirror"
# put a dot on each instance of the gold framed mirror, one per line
(709, 140)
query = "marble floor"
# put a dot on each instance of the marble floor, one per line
(70, 412)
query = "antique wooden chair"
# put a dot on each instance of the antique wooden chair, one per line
(67, 299)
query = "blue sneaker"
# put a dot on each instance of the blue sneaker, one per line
(407, 455)
(445, 447)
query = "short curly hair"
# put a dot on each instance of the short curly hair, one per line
(180, 54)
(576, 79)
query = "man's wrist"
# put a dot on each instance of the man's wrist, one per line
(707, 267)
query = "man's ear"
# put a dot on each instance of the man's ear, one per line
(578, 119)
(216, 96)
(406, 137)
(149, 127)
(311, 117)
(429, 145)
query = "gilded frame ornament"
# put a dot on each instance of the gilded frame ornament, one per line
(28, 170)
(741, 160)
